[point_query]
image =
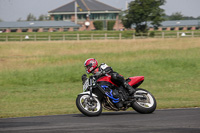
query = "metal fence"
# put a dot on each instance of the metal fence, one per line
(4, 37)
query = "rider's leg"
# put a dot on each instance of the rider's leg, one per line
(119, 78)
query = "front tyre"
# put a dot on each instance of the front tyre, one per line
(146, 103)
(88, 106)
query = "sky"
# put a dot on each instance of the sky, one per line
(12, 10)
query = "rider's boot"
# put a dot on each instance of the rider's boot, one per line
(130, 89)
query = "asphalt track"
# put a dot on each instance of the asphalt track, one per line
(161, 121)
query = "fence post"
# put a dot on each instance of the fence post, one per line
(105, 36)
(49, 38)
(120, 36)
(92, 36)
(192, 33)
(77, 37)
(35, 37)
(63, 37)
(177, 34)
(133, 36)
(6, 38)
(163, 35)
(21, 38)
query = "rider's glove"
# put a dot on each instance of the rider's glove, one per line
(84, 78)
(97, 74)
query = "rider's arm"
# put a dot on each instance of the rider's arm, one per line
(98, 74)
(105, 69)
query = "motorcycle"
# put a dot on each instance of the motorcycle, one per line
(104, 93)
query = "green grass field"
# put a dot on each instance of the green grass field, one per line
(44, 78)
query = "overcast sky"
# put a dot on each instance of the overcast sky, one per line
(12, 10)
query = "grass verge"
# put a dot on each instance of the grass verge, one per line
(43, 78)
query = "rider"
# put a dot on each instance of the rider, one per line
(91, 66)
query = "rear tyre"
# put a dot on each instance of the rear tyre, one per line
(144, 105)
(88, 107)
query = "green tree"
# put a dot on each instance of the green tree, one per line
(140, 12)
(43, 17)
(30, 17)
(98, 25)
(19, 20)
(111, 24)
(176, 16)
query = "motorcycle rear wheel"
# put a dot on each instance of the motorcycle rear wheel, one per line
(88, 107)
(144, 105)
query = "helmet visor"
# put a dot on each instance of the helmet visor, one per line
(87, 68)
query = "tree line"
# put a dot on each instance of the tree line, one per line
(31, 17)
(180, 16)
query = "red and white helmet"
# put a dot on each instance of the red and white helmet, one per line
(90, 65)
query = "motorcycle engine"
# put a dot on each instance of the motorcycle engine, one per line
(117, 94)
(123, 96)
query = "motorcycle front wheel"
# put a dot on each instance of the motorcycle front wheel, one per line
(88, 106)
(146, 103)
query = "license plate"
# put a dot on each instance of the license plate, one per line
(86, 84)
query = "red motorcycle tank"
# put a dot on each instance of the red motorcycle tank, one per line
(137, 80)
(106, 79)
